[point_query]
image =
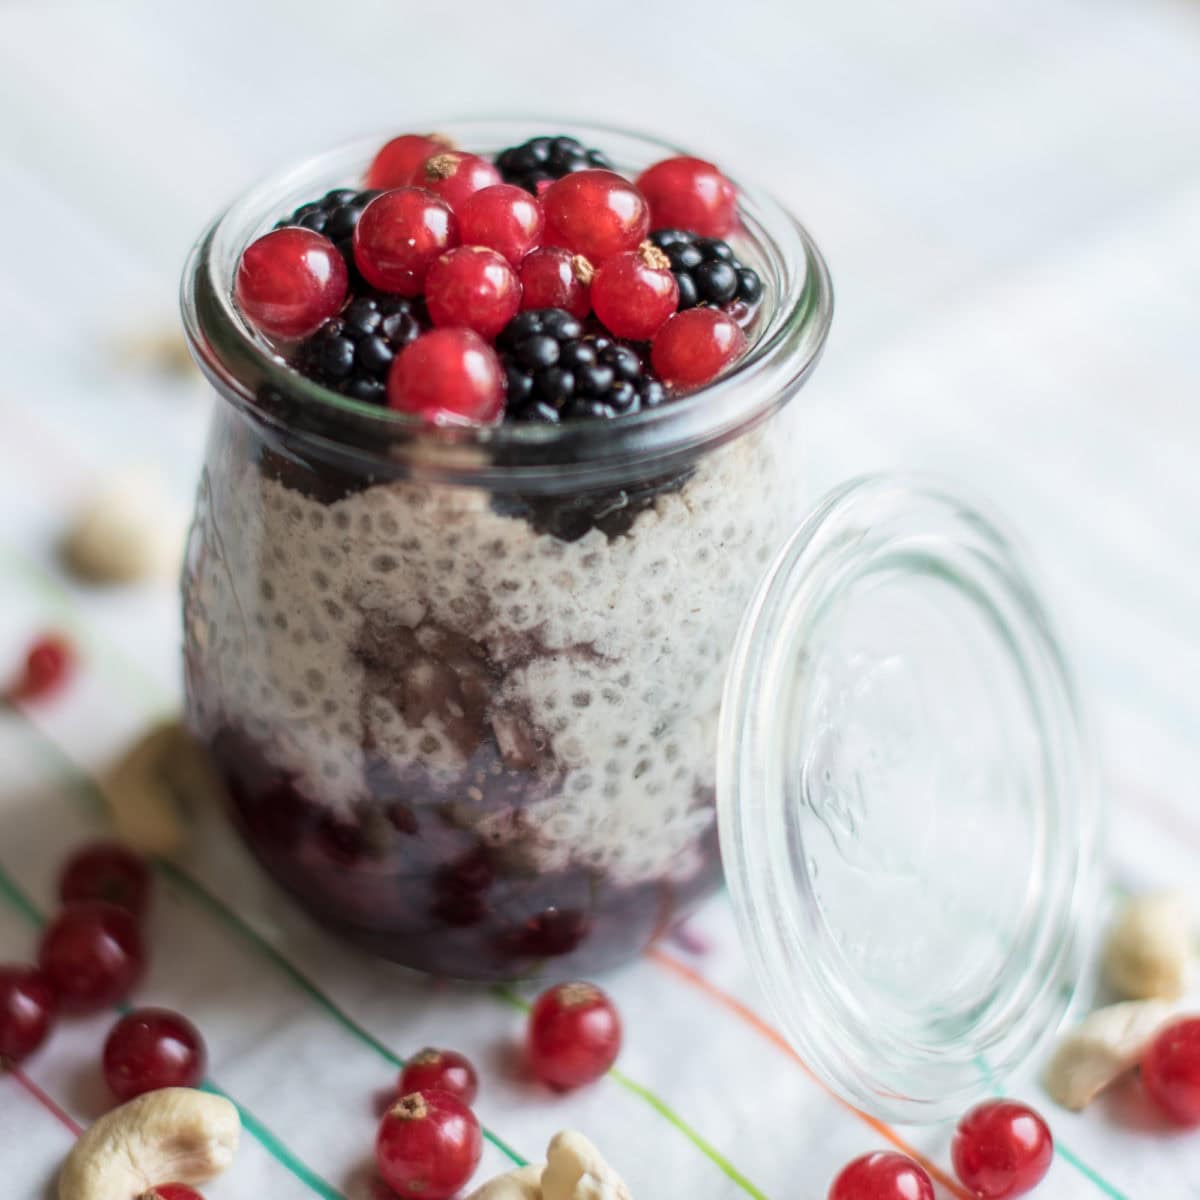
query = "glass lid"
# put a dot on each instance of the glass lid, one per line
(908, 815)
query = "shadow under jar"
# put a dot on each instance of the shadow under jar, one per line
(464, 685)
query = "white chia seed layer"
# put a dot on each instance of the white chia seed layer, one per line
(601, 662)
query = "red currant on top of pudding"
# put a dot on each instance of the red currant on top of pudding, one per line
(542, 285)
(689, 193)
(400, 159)
(290, 282)
(454, 176)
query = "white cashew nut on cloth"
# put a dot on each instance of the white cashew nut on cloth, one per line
(173, 1135)
(574, 1170)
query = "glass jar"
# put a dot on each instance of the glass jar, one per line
(466, 686)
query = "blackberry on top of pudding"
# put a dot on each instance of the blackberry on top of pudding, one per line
(470, 723)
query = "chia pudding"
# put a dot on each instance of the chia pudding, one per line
(468, 721)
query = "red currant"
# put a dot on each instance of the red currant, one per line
(448, 375)
(48, 665)
(883, 1175)
(398, 237)
(504, 218)
(27, 1006)
(574, 1035)
(106, 871)
(1171, 1070)
(428, 1145)
(171, 1191)
(695, 346)
(555, 278)
(474, 288)
(595, 213)
(92, 954)
(634, 293)
(152, 1048)
(454, 176)
(689, 193)
(443, 1071)
(400, 158)
(290, 282)
(1001, 1149)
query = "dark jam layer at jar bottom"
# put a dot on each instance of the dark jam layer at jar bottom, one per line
(402, 881)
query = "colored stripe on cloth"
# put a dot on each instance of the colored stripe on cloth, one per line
(47, 1102)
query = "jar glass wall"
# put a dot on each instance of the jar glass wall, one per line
(464, 685)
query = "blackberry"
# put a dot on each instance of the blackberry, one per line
(352, 352)
(543, 158)
(558, 372)
(335, 215)
(706, 270)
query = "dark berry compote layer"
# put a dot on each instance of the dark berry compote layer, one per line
(471, 729)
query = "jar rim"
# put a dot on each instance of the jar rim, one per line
(788, 334)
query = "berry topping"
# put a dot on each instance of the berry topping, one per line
(556, 372)
(109, 872)
(92, 954)
(354, 352)
(882, 1176)
(472, 287)
(27, 1005)
(574, 1035)
(596, 214)
(402, 157)
(335, 215)
(1001, 1149)
(449, 376)
(694, 347)
(503, 218)
(440, 1070)
(689, 193)
(541, 160)
(428, 1145)
(48, 665)
(454, 176)
(152, 1048)
(399, 235)
(706, 270)
(634, 293)
(556, 278)
(1171, 1070)
(171, 1191)
(289, 282)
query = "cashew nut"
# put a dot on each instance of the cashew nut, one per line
(575, 1170)
(525, 1183)
(1100, 1050)
(174, 1134)
(123, 532)
(1149, 947)
(146, 789)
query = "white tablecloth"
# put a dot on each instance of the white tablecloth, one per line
(1009, 197)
